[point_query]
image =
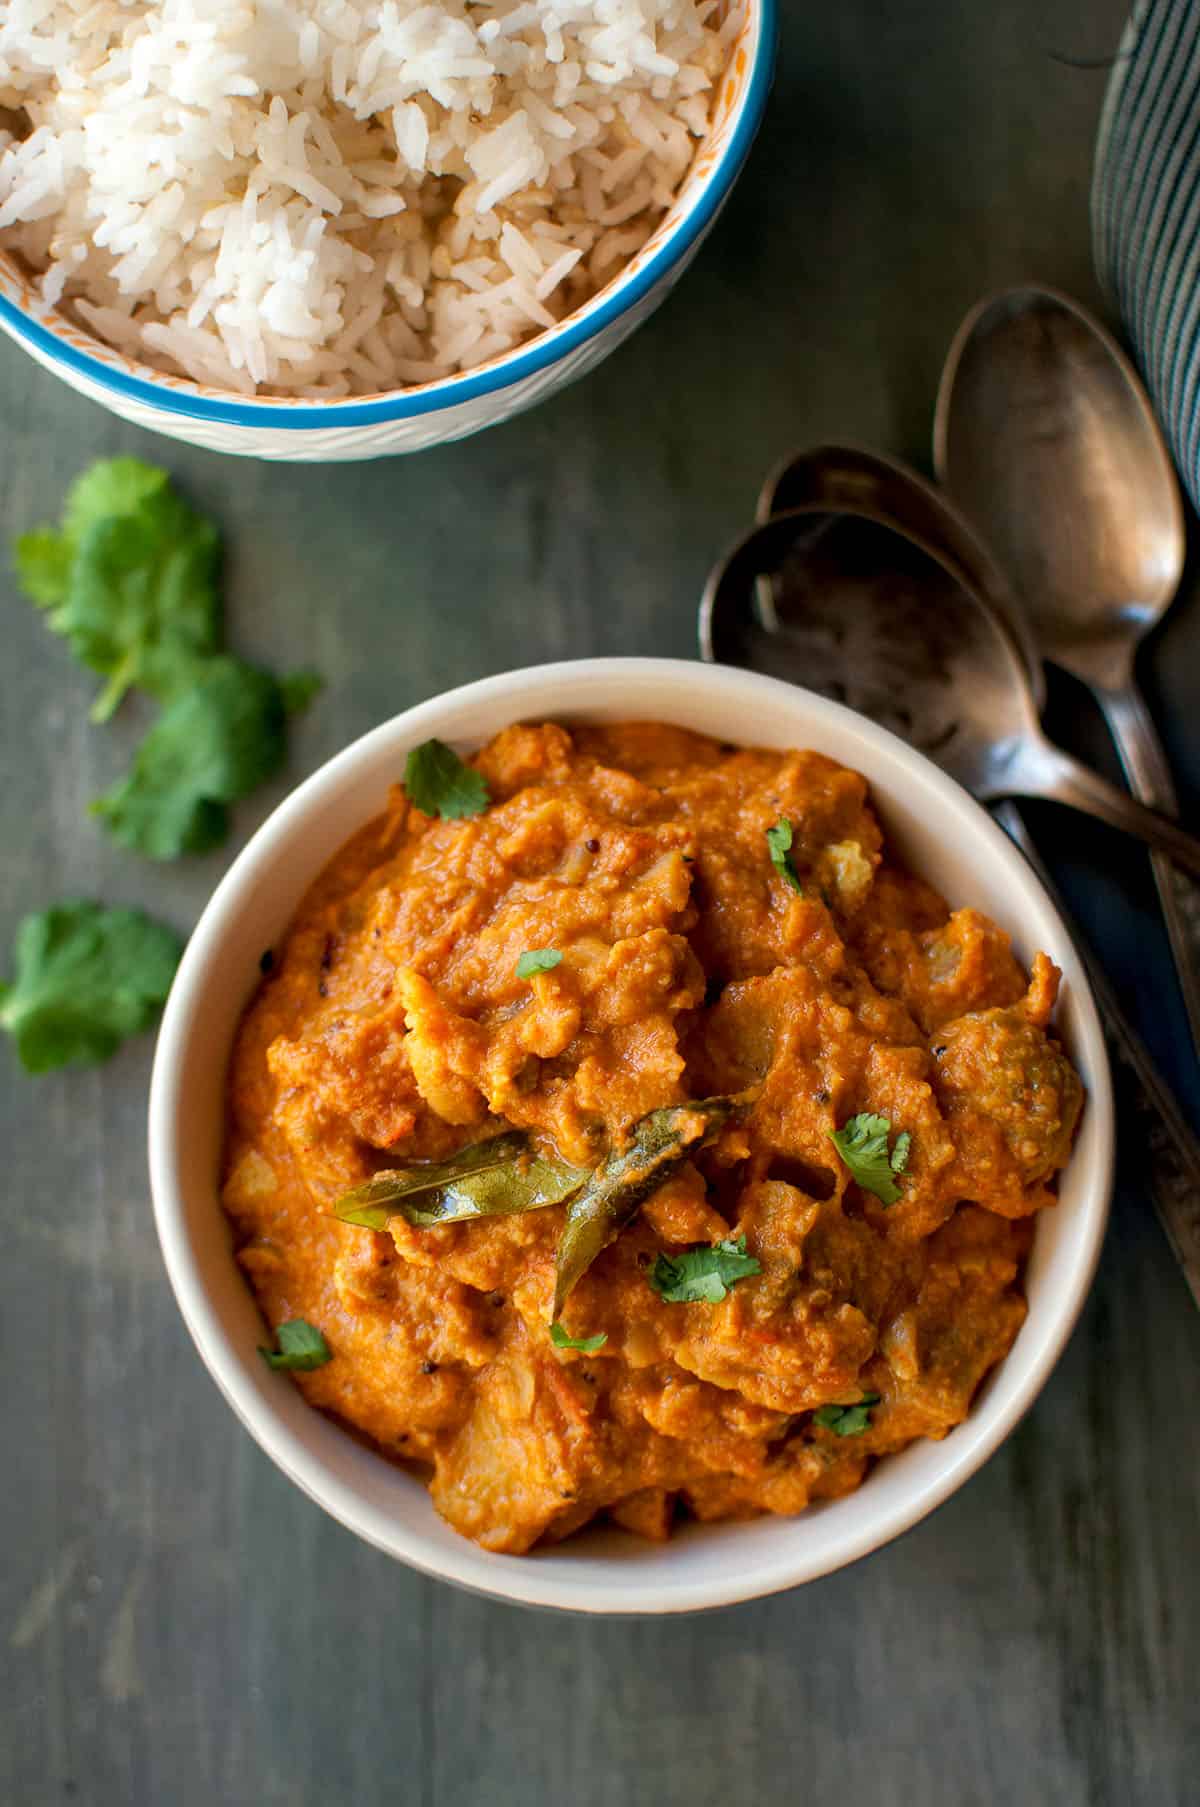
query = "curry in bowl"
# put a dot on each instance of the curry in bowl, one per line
(621, 1130)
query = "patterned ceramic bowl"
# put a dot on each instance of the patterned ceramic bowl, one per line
(428, 414)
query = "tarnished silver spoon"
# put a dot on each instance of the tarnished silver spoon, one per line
(1046, 439)
(880, 619)
(848, 477)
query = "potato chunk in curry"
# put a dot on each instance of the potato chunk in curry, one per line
(863, 1301)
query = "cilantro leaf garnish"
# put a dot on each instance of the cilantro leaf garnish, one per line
(215, 743)
(439, 783)
(587, 1344)
(301, 1347)
(702, 1275)
(847, 1420)
(85, 978)
(538, 960)
(862, 1143)
(129, 580)
(779, 840)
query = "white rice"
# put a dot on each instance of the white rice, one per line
(334, 197)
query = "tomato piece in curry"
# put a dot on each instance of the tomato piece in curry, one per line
(393, 1028)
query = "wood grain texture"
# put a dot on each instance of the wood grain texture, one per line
(178, 1625)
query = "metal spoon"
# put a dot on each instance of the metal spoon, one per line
(848, 477)
(881, 620)
(1045, 437)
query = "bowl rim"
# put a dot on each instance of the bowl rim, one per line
(194, 401)
(524, 1580)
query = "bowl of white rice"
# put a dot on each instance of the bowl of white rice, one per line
(326, 229)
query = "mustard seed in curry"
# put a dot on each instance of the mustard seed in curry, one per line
(773, 1127)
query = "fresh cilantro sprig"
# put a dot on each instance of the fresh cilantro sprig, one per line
(538, 960)
(862, 1143)
(779, 840)
(213, 744)
(439, 783)
(84, 978)
(847, 1420)
(301, 1347)
(702, 1275)
(130, 579)
(587, 1345)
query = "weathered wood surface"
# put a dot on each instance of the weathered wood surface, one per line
(178, 1626)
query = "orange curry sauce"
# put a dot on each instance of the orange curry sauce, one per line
(393, 1028)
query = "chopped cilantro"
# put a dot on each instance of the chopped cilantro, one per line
(539, 960)
(702, 1275)
(439, 783)
(846, 1420)
(85, 979)
(779, 840)
(862, 1143)
(587, 1344)
(301, 1346)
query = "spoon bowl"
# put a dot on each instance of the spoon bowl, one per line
(850, 608)
(1045, 437)
(845, 477)
(845, 604)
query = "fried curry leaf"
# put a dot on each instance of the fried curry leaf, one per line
(703, 1274)
(846, 1420)
(587, 1345)
(439, 783)
(489, 1179)
(85, 978)
(862, 1143)
(538, 960)
(130, 580)
(779, 840)
(659, 1144)
(217, 741)
(301, 1347)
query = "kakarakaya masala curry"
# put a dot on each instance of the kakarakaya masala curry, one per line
(621, 1130)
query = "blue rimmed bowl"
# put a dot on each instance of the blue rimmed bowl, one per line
(427, 414)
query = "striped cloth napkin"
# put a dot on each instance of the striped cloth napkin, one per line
(1146, 212)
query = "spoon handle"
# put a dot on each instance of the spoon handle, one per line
(1038, 769)
(1173, 1149)
(1136, 739)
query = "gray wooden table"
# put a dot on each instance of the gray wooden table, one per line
(178, 1626)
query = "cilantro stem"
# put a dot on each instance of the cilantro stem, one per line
(110, 698)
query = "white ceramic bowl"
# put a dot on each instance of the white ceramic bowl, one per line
(410, 420)
(945, 836)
